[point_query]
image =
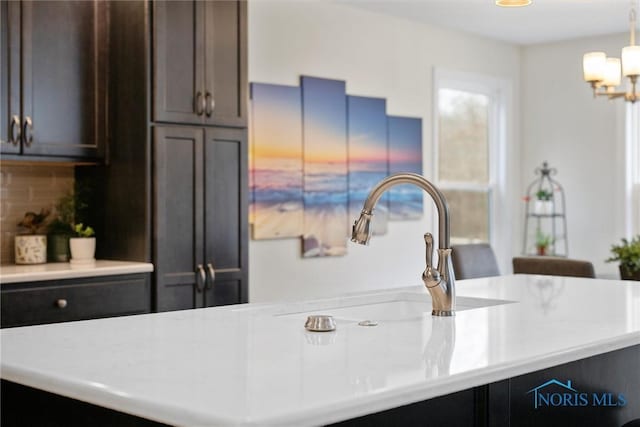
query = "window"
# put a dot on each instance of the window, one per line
(632, 171)
(468, 143)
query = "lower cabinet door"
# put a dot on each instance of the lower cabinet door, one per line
(178, 234)
(74, 299)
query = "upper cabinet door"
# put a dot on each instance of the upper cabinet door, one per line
(226, 63)
(178, 59)
(63, 78)
(10, 77)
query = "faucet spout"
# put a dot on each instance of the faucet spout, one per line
(440, 282)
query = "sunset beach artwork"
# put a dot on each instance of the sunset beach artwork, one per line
(368, 156)
(276, 161)
(315, 155)
(324, 130)
(405, 155)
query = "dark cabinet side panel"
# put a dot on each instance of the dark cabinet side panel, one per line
(226, 221)
(178, 52)
(178, 232)
(63, 78)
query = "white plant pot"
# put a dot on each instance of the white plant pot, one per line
(83, 250)
(31, 249)
(543, 207)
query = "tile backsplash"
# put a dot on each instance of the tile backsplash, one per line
(25, 188)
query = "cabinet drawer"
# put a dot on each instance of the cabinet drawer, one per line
(76, 299)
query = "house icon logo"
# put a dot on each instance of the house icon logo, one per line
(554, 393)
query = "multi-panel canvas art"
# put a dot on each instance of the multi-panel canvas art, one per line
(315, 155)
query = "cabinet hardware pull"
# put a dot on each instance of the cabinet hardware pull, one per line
(200, 103)
(210, 104)
(15, 122)
(203, 278)
(212, 275)
(28, 136)
(61, 303)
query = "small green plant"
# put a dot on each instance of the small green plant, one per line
(82, 231)
(544, 195)
(35, 223)
(543, 241)
(627, 254)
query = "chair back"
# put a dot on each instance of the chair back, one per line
(553, 266)
(474, 260)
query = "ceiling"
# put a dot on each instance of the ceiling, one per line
(543, 21)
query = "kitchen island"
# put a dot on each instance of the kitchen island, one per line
(255, 364)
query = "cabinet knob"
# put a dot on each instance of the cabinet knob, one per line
(61, 303)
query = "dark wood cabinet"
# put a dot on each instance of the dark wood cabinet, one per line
(200, 205)
(53, 80)
(54, 301)
(176, 194)
(199, 55)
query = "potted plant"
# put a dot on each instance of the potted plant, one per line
(544, 203)
(82, 245)
(31, 244)
(627, 255)
(543, 242)
(61, 229)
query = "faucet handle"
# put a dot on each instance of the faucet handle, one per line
(430, 273)
(428, 240)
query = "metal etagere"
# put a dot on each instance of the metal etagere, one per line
(545, 220)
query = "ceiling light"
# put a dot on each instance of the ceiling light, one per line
(604, 73)
(513, 3)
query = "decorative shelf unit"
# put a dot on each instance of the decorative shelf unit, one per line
(545, 219)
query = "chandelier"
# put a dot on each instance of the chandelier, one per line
(604, 73)
(513, 3)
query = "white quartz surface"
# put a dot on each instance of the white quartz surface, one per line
(256, 365)
(65, 270)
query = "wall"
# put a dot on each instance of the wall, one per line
(25, 188)
(581, 137)
(378, 56)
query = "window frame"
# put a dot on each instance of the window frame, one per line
(498, 92)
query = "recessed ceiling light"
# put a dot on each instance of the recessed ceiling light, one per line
(513, 3)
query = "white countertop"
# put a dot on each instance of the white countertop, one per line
(65, 270)
(256, 365)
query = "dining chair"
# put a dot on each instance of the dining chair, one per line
(553, 266)
(474, 260)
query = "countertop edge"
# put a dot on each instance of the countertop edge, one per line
(121, 402)
(61, 271)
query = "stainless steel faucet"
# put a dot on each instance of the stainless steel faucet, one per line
(440, 281)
